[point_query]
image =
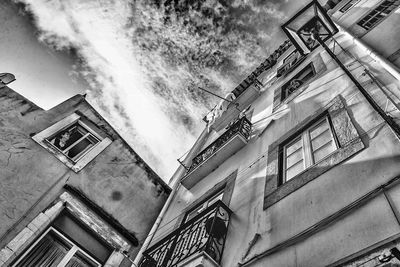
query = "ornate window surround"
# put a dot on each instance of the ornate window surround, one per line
(348, 139)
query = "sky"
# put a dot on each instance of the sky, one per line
(140, 62)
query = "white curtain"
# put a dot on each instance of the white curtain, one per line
(47, 253)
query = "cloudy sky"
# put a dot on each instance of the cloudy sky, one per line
(140, 61)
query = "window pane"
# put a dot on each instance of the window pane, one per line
(65, 138)
(321, 140)
(50, 250)
(299, 79)
(79, 148)
(294, 170)
(293, 146)
(323, 151)
(294, 158)
(319, 129)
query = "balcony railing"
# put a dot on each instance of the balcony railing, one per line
(242, 127)
(205, 232)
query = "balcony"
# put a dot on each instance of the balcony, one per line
(217, 152)
(201, 239)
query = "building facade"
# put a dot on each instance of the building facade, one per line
(73, 192)
(303, 168)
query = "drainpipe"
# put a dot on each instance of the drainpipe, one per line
(175, 180)
(386, 64)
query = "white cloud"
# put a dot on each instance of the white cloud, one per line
(144, 61)
(98, 32)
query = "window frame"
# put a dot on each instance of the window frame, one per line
(384, 15)
(77, 206)
(319, 68)
(42, 138)
(218, 195)
(226, 186)
(285, 86)
(71, 252)
(90, 132)
(307, 149)
(347, 6)
(348, 139)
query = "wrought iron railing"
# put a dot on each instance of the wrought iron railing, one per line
(242, 127)
(205, 232)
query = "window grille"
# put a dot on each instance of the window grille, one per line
(378, 14)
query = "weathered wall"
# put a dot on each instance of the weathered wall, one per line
(117, 180)
(376, 164)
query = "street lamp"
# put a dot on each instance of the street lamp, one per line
(300, 27)
(6, 78)
(310, 27)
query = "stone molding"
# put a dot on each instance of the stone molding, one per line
(43, 220)
(347, 137)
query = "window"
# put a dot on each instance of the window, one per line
(320, 142)
(299, 79)
(202, 206)
(221, 191)
(308, 148)
(55, 249)
(347, 6)
(74, 140)
(289, 63)
(378, 14)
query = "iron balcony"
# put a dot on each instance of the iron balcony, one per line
(217, 152)
(203, 234)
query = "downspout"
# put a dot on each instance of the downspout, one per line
(386, 64)
(175, 181)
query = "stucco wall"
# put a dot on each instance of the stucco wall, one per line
(387, 29)
(376, 164)
(117, 180)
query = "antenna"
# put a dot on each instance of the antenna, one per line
(6, 78)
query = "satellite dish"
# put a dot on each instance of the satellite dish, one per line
(6, 78)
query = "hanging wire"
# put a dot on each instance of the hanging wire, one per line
(243, 178)
(371, 75)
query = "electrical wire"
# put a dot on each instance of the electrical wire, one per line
(280, 151)
(243, 178)
(322, 223)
